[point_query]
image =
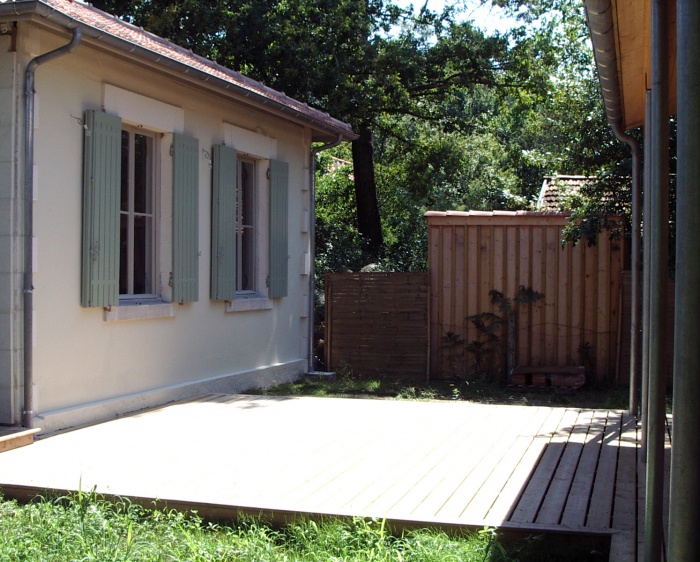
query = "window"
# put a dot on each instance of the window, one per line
(249, 229)
(127, 257)
(137, 218)
(246, 231)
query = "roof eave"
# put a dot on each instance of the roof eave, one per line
(599, 16)
(324, 128)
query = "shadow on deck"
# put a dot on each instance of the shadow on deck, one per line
(453, 465)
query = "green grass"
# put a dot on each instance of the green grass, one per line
(86, 527)
(480, 390)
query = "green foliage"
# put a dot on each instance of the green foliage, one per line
(480, 390)
(455, 119)
(486, 349)
(87, 527)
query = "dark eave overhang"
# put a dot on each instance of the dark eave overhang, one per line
(620, 33)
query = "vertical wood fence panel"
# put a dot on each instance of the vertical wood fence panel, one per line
(575, 323)
(377, 323)
(625, 322)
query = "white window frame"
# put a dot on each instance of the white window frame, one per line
(255, 298)
(150, 296)
(247, 195)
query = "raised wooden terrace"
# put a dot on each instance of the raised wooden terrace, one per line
(449, 464)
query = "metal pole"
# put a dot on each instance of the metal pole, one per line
(635, 355)
(659, 276)
(684, 515)
(635, 323)
(646, 278)
(28, 290)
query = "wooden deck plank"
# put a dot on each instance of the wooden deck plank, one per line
(504, 470)
(600, 510)
(623, 547)
(507, 500)
(466, 494)
(13, 438)
(426, 463)
(372, 480)
(536, 490)
(625, 505)
(467, 457)
(641, 497)
(447, 477)
(553, 504)
(578, 499)
(428, 475)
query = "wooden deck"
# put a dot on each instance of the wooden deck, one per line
(449, 464)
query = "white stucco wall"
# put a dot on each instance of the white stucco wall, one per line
(86, 367)
(10, 241)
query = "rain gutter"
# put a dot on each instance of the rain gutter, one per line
(28, 290)
(600, 23)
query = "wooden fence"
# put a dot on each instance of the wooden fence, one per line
(471, 254)
(625, 345)
(377, 324)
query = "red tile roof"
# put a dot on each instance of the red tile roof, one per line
(108, 29)
(555, 190)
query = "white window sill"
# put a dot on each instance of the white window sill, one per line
(253, 302)
(139, 311)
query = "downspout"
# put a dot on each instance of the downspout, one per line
(312, 241)
(28, 289)
(600, 23)
(636, 265)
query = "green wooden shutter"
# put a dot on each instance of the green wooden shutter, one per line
(185, 275)
(279, 201)
(223, 223)
(101, 191)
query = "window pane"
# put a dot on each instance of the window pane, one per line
(123, 254)
(125, 171)
(136, 259)
(142, 174)
(247, 193)
(247, 260)
(142, 254)
(245, 230)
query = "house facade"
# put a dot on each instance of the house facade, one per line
(169, 203)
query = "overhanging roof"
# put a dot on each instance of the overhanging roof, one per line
(621, 36)
(102, 28)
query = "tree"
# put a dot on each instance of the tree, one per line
(338, 56)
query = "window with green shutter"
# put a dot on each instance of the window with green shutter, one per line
(279, 181)
(223, 230)
(101, 192)
(122, 262)
(185, 272)
(249, 230)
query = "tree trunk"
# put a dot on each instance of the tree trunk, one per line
(368, 221)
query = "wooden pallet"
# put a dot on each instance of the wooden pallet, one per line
(548, 376)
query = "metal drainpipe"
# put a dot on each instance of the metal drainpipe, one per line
(646, 277)
(312, 242)
(28, 409)
(635, 333)
(599, 14)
